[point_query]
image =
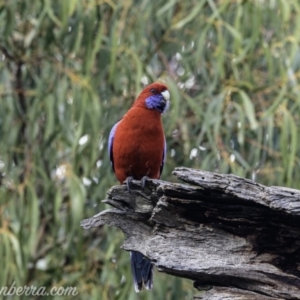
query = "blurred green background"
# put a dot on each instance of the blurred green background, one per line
(70, 69)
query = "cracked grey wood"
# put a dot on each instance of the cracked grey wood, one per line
(238, 237)
(232, 294)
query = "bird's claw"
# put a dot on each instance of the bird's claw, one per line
(143, 181)
(128, 182)
(129, 179)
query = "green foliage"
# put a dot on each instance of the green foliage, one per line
(70, 69)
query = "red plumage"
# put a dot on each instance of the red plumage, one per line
(137, 149)
(138, 145)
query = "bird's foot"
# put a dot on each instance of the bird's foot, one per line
(143, 180)
(128, 182)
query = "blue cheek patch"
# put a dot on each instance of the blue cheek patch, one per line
(157, 102)
(153, 102)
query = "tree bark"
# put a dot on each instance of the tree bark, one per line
(235, 238)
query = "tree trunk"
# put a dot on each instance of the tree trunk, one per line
(235, 238)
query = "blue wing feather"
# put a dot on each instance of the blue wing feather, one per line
(110, 144)
(164, 157)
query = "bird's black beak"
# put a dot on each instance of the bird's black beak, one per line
(162, 105)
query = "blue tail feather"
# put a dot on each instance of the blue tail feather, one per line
(142, 272)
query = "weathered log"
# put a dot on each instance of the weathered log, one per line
(233, 237)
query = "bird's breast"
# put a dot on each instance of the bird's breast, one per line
(138, 145)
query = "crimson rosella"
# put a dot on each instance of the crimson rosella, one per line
(137, 149)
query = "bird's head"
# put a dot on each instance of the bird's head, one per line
(154, 96)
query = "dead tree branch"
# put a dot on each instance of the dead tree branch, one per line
(233, 237)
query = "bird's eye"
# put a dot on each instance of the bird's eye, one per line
(154, 91)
